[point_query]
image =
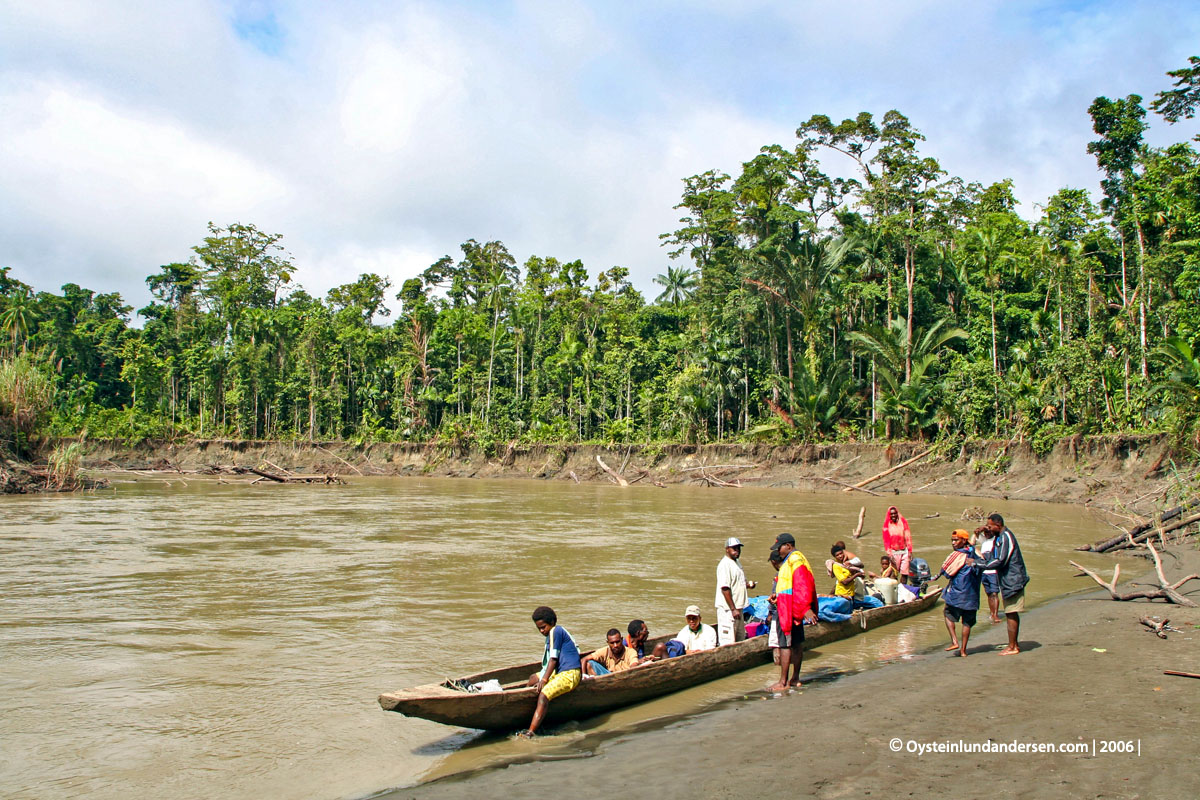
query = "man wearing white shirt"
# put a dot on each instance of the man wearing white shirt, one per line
(731, 594)
(696, 636)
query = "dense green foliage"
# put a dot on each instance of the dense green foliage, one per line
(898, 302)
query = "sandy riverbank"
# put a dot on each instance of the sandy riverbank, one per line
(1089, 671)
(1129, 473)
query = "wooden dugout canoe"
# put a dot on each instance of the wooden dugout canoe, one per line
(512, 708)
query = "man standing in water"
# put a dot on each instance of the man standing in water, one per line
(1006, 559)
(731, 594)
(795, 601)
(562, 669)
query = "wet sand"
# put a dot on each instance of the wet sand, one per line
(1089, 672)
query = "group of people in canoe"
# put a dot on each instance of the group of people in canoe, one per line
(990, 559)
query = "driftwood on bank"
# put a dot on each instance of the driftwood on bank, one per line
(270, 476)
(849, 488)
(1159, 628)
(612, 473)
(1146, 529)
(719, 466)
(715, 481)
(888, 471)
(1164, 591)
(339, 458)
(1160, 532)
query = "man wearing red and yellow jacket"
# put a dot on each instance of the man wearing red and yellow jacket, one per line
(795, 599)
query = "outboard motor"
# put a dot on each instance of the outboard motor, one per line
(920, 572)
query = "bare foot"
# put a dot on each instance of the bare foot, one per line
(1009, 651)
(777, 687)
(794, 684)
(952, 647)
(995, 620)
(962, 653)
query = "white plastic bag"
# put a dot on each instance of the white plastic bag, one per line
(490, 686)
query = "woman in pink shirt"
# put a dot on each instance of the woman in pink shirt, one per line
(897, 541)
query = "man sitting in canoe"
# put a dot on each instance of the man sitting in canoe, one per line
(795, 599)
(696, 636)
(562, 669)
(615, 657)
(638, 634)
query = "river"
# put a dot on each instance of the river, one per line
(206, 640)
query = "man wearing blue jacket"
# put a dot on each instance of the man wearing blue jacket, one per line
(1006, 559)
(961, 594)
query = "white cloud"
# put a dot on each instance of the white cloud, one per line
(382, 136)
(87, 182)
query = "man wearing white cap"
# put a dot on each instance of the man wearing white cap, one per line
(731, 594)
(696, 636)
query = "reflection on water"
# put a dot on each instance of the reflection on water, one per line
(223, 641)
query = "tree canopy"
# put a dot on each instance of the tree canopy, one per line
(899, 301)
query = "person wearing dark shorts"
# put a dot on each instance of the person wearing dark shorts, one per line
(795, 598)
(991, 581)
(1012, 576)
(961, 594)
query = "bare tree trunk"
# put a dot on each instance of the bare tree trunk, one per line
(995, 357)
(910, 277)
(791, 358)
(1143, 290)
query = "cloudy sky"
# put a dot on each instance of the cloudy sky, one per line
(378, 136)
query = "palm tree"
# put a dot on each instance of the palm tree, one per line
(679, 283)
(1182, 361)
(16, 317)
(812, 264)
(891, 349)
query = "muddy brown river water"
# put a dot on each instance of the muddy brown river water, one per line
(228, 641)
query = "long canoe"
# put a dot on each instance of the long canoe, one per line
(513, 707)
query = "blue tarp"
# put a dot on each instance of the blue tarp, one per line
(833, 609)
(757, 607)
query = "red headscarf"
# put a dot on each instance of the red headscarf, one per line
(902, 541)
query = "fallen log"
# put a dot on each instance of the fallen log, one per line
(612, 473)
(1150, 534)
(849, 488)
(328, 478)
(711, 481)
(719, 466)
(339, 458)
(1164, 591)
(1181, 674)
(889, 471)
(1105, 545)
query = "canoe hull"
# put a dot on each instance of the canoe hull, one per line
(513, 708)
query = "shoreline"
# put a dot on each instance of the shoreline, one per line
(1088, 672)
(1130, 474)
